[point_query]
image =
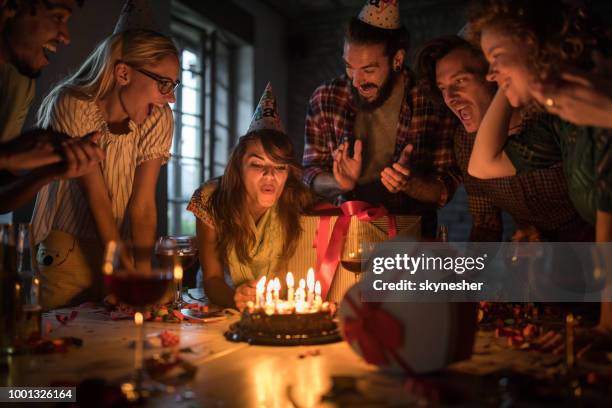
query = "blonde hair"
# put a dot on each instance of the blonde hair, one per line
(96, 78)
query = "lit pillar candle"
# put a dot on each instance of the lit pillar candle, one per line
(290, 283)
(260, 288)
(310, 282)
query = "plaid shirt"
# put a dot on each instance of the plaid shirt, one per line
(536, 198)
(331, 119)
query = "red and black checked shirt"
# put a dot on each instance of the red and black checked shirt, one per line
(331, 118)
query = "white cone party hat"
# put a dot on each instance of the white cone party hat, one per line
(381, 13)
(266, 114)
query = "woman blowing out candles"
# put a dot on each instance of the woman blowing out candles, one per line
(248, 219)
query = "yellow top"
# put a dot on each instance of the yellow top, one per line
(17, 92)
(265, 253)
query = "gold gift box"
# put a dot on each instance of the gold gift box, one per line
(305, 256)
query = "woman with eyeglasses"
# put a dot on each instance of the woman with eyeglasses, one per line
(122, 91)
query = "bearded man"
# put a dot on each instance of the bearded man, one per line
(371, 134)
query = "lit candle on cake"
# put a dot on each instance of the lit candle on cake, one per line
(310, 283)
(300, 296)
(269, 288)
(318, 300)
(276, 288)
(260, 288)
(269, 306)
(290, 283)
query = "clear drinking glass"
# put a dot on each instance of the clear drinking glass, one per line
(183, 249)
(136, 277)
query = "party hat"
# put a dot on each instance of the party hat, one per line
(266, 114)
(136, 15)
(464, 31)
(381, 14)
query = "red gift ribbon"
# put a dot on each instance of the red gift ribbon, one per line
(377, 332)
(329, 252)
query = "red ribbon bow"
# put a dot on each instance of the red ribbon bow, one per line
(329, 252)
(377, 332)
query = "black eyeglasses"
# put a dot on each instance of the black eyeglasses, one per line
(165, 85)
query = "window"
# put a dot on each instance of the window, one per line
(204, 116)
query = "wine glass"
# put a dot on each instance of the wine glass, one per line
(354, 259)
(135, 276)
(183, 248)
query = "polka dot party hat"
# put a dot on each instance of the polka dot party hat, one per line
(381, 14)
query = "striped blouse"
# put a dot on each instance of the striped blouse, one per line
(61, 205)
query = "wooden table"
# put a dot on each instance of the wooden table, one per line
(239, 375)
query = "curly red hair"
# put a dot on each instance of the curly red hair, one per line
(551, 32)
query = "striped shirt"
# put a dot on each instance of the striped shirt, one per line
(61, 205)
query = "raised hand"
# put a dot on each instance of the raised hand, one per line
(581, 98)
(81, 155)
(347, 169)
(396, 177)
(244, 293)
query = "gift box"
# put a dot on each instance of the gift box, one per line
(362, 224)
(408, 338)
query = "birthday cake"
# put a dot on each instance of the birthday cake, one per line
(299, 320)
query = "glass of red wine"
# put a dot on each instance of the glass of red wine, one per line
(352, 261)
(135, 276)
(184, 249)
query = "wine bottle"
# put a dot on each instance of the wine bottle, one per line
(10, 290)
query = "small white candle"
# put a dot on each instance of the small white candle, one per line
(269, 289)
(300, 296)
(277, 287)
(290, 283)
(260, 288)
(268, 298)
(301, 291)
(310, 283)
(318, 299)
